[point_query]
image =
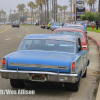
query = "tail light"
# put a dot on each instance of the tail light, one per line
(84, 48)
(4, 63)
(73, 67)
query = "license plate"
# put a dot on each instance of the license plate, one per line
(38, 77)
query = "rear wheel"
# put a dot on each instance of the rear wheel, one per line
(73, 86)
(16, 83)
(84, 75)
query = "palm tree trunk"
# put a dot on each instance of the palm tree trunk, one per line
(54, 10)
(99, 7)
(64, 15)
(61, 15)
(45, 12)
(31, 15)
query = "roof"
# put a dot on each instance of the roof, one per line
(68, 29)
(52, 36)
(75, 25)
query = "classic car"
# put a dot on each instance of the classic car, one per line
(55, 25)
(77, 27)
(75, 32)
(47, 57)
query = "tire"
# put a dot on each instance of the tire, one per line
(85, 74)
(88, 63)
(73, 86)
(15, 83)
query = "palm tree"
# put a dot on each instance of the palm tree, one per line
(21, 9)
(64, 8)
(14, 11)
(30, 5)
(99, 7)
(40, 3)
(61, 8)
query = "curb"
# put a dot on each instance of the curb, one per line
(98, 90)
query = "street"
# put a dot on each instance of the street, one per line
(9, 42)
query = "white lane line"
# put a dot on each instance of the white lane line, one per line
(28, 32)
(8, 39)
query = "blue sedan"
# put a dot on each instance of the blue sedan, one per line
(47, 57)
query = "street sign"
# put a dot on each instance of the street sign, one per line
(80, 9)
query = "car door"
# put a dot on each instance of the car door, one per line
(83, 55)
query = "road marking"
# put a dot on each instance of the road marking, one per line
(5, 29)
(8, 39)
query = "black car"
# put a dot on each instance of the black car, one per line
(15, 24)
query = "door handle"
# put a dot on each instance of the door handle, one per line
(83, 57)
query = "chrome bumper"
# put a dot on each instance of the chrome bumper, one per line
(49, 76)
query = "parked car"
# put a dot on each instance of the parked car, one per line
(74, 32)
(7, 23)
(55, 25)
(77, 27)
(47, 57)
(15, 24)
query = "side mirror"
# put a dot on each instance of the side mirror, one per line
(86, 32)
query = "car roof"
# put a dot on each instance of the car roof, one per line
(72, 29)
(75, 25)
(52, 36)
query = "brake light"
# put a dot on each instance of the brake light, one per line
(4, 61)
(73, 65)
(84, 48)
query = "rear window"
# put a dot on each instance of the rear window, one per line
(79, 34)
(48, 45)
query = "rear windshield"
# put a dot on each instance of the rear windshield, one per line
(47, 45)
(79, 34)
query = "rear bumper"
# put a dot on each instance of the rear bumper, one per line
(49, 76)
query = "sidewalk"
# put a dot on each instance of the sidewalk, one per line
(96, 36)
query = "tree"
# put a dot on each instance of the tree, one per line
(21, 9)
(14, 11)
(90, 3)
(64, 8)
(30, 5)
(40, 3)
(61, 8)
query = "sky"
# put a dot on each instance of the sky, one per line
(6, 5)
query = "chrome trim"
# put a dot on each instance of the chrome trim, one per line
(84, 46)
(37, 72)
(38, 66)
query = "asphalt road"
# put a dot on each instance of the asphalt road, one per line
(9, 42)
